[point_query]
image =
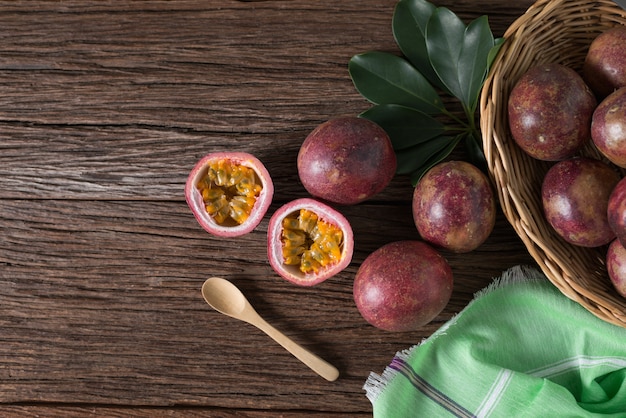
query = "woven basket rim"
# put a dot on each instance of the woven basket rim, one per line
(549, 31)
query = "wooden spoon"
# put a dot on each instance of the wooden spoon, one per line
(225, 297)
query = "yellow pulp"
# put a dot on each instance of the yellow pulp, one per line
(229, 191)
(309, 242)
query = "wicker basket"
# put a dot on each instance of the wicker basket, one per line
(550, 31)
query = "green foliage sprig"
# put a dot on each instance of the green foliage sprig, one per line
(441, 55)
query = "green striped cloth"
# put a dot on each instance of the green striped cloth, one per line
(519, 349)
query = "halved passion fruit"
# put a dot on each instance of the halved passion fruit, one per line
(229, 193)
(309, 242)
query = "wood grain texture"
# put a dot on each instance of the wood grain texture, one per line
(105, 107)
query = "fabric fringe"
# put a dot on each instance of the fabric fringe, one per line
(375, 383)
(515, 274)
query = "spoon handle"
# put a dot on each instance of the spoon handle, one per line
(317, 364)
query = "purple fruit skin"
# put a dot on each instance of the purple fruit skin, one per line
(616, 266)
(454, 207)
(550, 110)
(575, 195)
(346, 160)
(604, 68)
(616, 211)
(402, 286)
(608, 127)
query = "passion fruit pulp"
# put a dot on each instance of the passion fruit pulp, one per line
(309, 242)
(229, 193)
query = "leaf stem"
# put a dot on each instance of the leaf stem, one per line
(455, 118)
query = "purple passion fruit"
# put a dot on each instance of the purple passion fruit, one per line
(608, 127)
(309, 242)
(575, 195)
(616, 266)
(616, 211)
(229, 193)
(454, 207)
(346, 160)
(550, 109)
(402, 286)
(604, 68)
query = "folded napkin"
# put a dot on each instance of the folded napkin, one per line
(519, 349)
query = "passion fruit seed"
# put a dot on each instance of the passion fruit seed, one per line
(316, 240)
(309, 242)
(229, 191)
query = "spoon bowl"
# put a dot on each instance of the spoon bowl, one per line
(226, 298)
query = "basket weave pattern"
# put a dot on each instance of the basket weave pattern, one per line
(550, 31)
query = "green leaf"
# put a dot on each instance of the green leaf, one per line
(440, 53)
(413, 159)
(476, 156)
(444, 41)
(384, 78)
(474, 59)
(410, 19)
(498, 42)
(460, 54)
(435, 159)
(406, 127)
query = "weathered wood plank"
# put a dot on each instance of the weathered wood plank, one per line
(105, 107)
(101, 304)
(118, 102)
(139, 412)
(117, 163)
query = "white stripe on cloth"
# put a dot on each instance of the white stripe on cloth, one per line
(577, 363)
(495, 393)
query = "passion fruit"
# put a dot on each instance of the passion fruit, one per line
(309, 242)
(604, 68)
(616, 266)
(454, 207)
(550, 110)
(608, 127)
(229, 193)
(402, 286)
(346, 160)
(575, 195)
(616, 211)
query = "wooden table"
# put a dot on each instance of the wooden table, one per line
(105, 107)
